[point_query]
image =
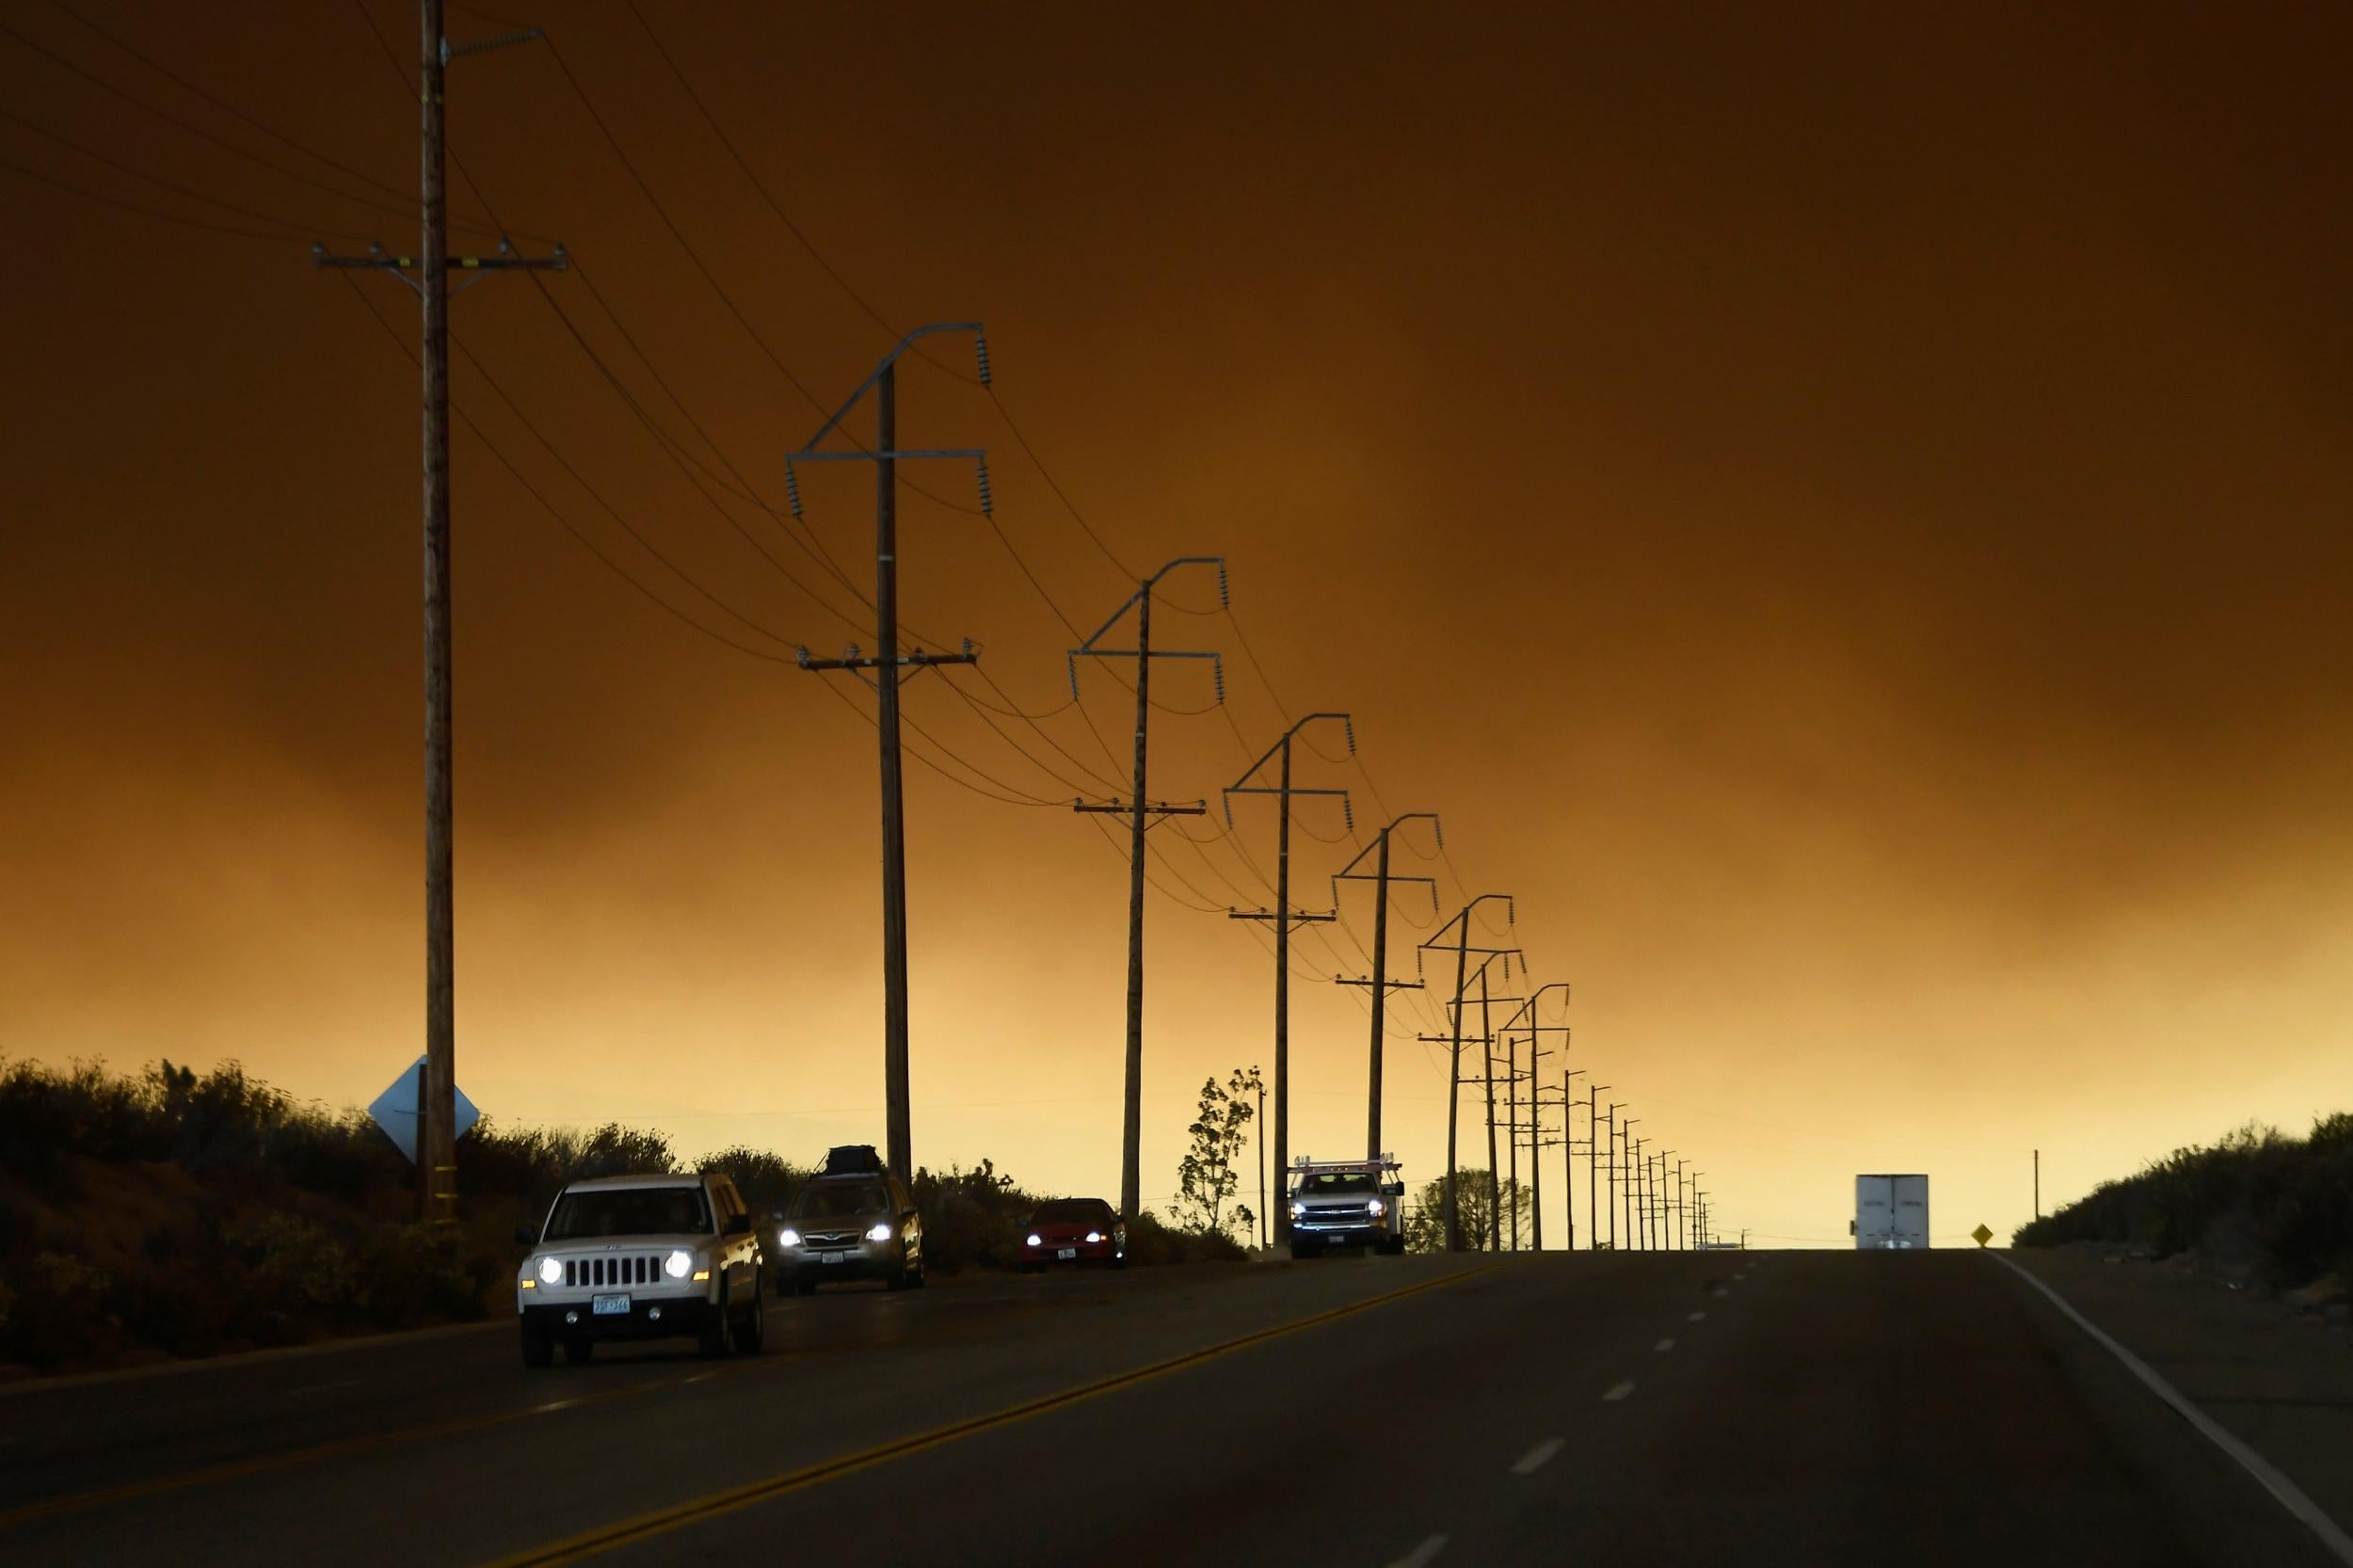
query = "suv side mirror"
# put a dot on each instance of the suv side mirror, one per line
(1394, 1189)
(738, 1225)
(526, 1236)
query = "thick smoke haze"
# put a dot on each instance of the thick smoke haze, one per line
(1841, 511)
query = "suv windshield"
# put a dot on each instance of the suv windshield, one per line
(1071, 1211)
(822, 1200)
(1337, 1184)
(630, 1212)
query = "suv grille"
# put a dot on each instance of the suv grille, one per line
(645, 1269)
(1350, 1217)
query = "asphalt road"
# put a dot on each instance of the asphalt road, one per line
(1789, 1408)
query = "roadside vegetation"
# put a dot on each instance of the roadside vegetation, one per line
(166, 1214)
(1484, 1211)
(2257, 1205)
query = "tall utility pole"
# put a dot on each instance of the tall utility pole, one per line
(1284, 917)
(437, 1099)
(1536, 1031)
(2037, 1184)
(886, 663)
(1460, 925)
(1593, 1171)
(1137, 810)
(1263, 1221)
(1568, 1150)
(1382, 985)
(1655, 1176)
(1626, 1174)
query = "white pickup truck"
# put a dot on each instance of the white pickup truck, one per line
(1346, 1203)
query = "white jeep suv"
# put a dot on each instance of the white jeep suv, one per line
(642, 1258)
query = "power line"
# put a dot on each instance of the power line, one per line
(550, 508)
(299, 229)
(54, 181)
(230, 109)
(197, 131)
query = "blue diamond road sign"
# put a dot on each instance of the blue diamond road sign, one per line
(395, 1110)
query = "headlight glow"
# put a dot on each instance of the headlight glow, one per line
(551, 1270)
(1034, 1241)
(1094, 1236)
(678, 1263)
(1299, 1211)
(1377, 1209)
(788, 1237)
(881, 1231)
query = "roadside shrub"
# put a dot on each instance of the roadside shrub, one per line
(2280, 1208)
(1151, 1241)
(297, 1267)
(421, 1273)
(971, 1219)
(58, 1313)
(768, 1182)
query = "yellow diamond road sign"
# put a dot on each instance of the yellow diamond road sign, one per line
(1982, 1235)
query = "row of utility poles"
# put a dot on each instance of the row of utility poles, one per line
(1638, 1174)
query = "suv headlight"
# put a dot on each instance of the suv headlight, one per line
(788, 1237)
(1093, 1236)
(551, 1270)
(678, 1263)
(1376, 1209)
(1299, 1211)
(881, 1232)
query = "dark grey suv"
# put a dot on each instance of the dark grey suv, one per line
(856, 1225)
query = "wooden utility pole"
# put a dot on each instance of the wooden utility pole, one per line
(1494, 1180)
(885, 665)
(1284, 917)
(1626, 1147)
(1460, 925)
(437, 1113)
(1264, 1239)
(1137, 811)
(436, 1098)
(1382, 985)
(1536, 1031)
(1592, 1167)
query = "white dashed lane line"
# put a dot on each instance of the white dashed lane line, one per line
(1697, 1317)
(1617, 1392)
(1423, 1555)
(1538, 1457)
(1721, 1291)
(1664, 1346)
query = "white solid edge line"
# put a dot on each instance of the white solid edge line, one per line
(2290, 1495)
(1538, 1457)
(1664, 1346)
(1619, 1391)
(1421, 1556)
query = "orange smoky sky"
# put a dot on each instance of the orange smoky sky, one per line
(1842, 510)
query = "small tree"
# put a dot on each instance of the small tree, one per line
(1206, 1177)
(1425, 1222)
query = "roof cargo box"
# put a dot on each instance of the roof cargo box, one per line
(853, 1159)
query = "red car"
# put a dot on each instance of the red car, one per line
(1074, 1230)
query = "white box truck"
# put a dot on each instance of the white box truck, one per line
(1891, 1212)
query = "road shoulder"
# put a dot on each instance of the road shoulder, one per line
(2281, 1382)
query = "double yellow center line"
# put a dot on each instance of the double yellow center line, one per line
(662, 1521)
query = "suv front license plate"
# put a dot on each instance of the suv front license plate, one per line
(609, 1306)
(831, 1256)
(1066, 1252)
